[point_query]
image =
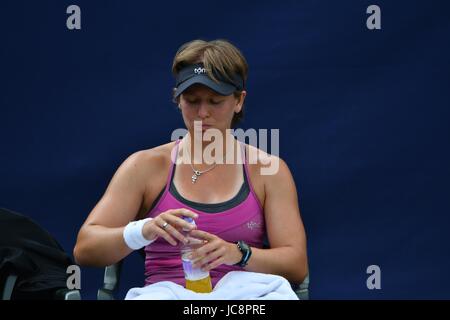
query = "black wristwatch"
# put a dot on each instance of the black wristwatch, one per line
(246, 253)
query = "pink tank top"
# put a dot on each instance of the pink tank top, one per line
(243, 221)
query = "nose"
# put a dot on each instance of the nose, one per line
(203, 110)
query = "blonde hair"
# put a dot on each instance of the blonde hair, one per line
(218, 57)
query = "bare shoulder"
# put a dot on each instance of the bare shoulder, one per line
(153, 168)
(264, 164)
(142, 166)
(133, 187)
(266, 171)
(151, 160)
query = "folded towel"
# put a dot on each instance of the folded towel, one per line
(235, 285)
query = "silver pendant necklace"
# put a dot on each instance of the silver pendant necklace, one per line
(197, 173)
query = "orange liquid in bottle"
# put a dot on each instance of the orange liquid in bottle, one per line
(202, 285)
(196, 279)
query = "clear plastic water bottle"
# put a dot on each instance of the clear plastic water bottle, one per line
(196, 279)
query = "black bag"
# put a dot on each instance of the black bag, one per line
(31, 253)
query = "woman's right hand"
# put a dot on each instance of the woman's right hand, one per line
(168, 225)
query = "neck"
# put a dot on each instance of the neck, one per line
(203, 153)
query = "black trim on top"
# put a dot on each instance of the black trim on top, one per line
(157, 199)
(212, 207)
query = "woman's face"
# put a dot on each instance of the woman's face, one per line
(199, 103)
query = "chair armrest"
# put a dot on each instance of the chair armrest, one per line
(110, 282)
(10, 282)
(66, 294)
(302, 289)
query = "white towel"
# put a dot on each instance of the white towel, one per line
(235, 285)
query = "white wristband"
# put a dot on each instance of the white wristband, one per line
(132, 234)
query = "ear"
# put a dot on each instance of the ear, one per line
(240, 102)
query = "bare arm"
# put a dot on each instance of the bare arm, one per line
(100, 239)
(287, 256)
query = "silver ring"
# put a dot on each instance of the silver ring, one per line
(164, 226)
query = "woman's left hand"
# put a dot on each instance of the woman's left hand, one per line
(214, 252)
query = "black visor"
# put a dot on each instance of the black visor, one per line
(196, 74)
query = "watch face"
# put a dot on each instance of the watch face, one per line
(243, 245)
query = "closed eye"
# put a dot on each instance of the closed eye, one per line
(216, 102)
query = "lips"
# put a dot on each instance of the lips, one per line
(203, 126)
(206, 126)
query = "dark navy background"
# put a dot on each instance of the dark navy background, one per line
(363, 118)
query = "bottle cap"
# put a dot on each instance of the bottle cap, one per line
(189, 220)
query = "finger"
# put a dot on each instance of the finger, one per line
(214, 264)
(174, 233)
(204, 250)
(179, 223)
(183, 212)
(202, 235)
(209, 257)
(161, 233)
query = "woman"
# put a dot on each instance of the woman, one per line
(230, 202)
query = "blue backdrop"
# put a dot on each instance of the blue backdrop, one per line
(363, 118)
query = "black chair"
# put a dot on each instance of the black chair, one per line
(111, 281)
(32, 263)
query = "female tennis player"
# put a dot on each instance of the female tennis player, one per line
(234, 206)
